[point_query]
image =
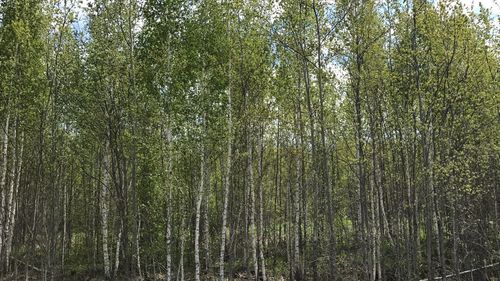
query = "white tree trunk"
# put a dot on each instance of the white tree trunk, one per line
(206, 222)
(117, 253)
(168, 181)
(180, 273)
(3, 177)
(10, 195)
(253, 230)
(105, 210)
(65, 217)
(12, 212)
(198, 217)
(227, 181)
(261, 208)
(296, 203)
(138, 249)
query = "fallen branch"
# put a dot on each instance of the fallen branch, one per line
(29, 265)
(464, 272)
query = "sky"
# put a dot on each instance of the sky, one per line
(471, 5)
(494, 5)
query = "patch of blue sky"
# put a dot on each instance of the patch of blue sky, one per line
(80, 25)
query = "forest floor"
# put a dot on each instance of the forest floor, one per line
(98, 276)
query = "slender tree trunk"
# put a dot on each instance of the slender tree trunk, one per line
(428, 223)
(12, 213)
(413, 224)
(315, 243)
(431, 185)
(137, 245)
(206, 221)
(198, 217)
(381, 219)
(456, 266)
(105, 210)
(277, 183)
(427, 154)
(288, 219)
(372, 230)
(169, 202)
(376, 200)
(440, 229)
(10, 195)
(65, 227)
(277, 176)
(324, 152)
(96, 195)
(118, 246)
(180, 272)
(227, 181)
(360, 164)
(261, 206)
(303, 192)
(3, 179)
(296, 204)
(251, 187)
(137, 213)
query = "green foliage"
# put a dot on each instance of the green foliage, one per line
(395, 148)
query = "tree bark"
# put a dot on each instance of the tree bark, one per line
(3, 178)
(360, 163)
(169, 202)
(105, 210)
(227, 181)
(261, 206)
(12, 213)
(117, 249)
(251, 187)
(198, 217)
(314, 183)
(324, 152)
(180, 272)
(298, 188)
(206, 220)
(10, 195)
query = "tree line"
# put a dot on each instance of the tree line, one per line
(217, 139)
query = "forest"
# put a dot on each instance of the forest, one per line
(249, 140)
